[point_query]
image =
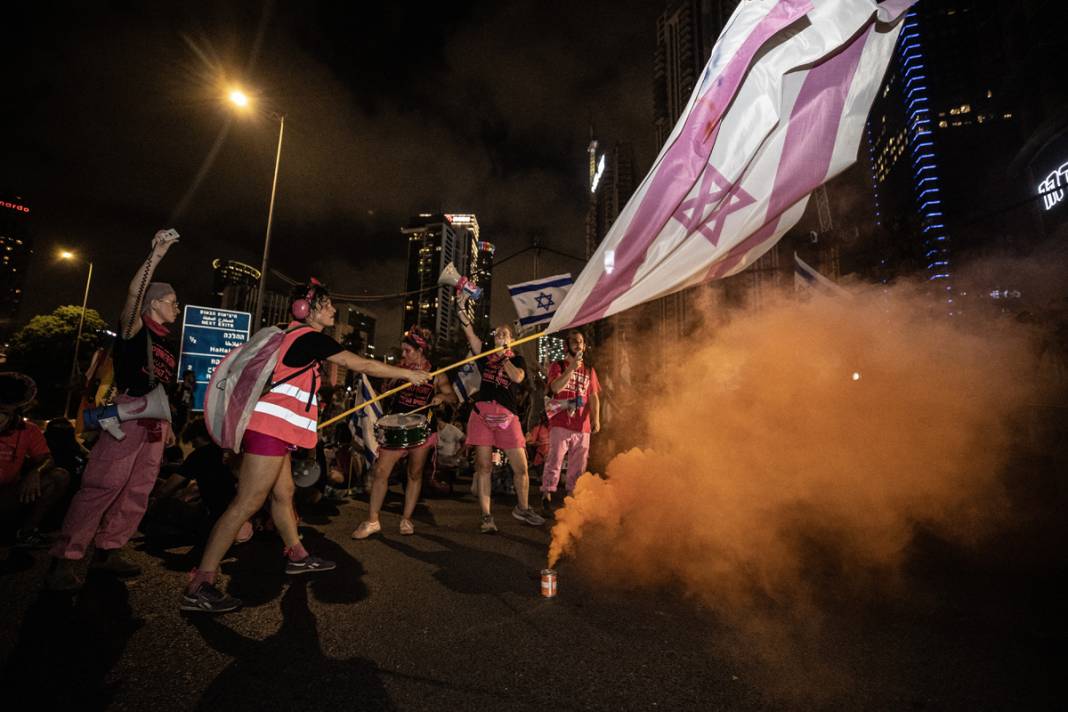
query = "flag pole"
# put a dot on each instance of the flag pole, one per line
(433, 374)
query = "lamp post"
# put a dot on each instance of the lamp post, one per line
(241, 100)
(67, 255)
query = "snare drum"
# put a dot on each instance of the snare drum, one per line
(401, 432)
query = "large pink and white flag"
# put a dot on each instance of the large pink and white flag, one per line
(779, 110)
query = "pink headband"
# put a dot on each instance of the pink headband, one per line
(416, 341)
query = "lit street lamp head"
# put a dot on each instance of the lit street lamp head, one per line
(239, 98)
(66, 255)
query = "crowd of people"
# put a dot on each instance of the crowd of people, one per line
(168, 478)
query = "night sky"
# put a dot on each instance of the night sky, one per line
(112, 111)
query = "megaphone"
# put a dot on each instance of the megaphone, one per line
(453, 278)
(152, 406)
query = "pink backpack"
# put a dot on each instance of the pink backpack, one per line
(238, 382)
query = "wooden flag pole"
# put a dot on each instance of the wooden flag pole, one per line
(433, 374)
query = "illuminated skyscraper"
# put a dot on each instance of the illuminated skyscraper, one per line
(611, 183)
(685, 34)
(16, 248)
(435, 240)
(235, 285)
(942, 135)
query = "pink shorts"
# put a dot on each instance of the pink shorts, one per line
(481, 432)
(257, 443)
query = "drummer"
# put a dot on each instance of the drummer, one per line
(415, 353)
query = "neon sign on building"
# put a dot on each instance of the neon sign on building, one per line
(1052, 188)
(14, 206)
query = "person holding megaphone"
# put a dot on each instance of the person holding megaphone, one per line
(122, 470)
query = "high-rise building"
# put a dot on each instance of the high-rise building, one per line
(685, 34)
(948, 139)
(276, 308)
(611, 183)
(354, 329)
(482, 275)
(16, 248)
(235, 285)
(434, 241)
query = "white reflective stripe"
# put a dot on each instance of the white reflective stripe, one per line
(285, 414)
(288, 389)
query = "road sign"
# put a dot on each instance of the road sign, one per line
(207, 336)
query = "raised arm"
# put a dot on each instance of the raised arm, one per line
(465, 323)
(135, 295)
(571, 363)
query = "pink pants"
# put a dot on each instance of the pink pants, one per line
(576, 446)
(114, 492)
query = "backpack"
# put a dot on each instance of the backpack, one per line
(239, 381)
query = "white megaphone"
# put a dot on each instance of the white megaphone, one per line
(151, 406)
(453, 278)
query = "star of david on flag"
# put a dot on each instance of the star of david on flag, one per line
(779, 110)
(536, 301)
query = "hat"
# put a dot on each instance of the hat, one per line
(156, 290)
(16, 389)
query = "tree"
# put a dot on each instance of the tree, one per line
(43, 350)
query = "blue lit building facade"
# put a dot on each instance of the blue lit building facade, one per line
(948, 176)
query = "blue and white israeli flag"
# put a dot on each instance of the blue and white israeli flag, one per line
(362, 423)
(536, 301)
(465, 380)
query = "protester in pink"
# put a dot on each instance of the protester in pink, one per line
(121, 473)
(494, 421)
(575, 407)
(284, 418)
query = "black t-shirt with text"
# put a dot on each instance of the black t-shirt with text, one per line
(131, 362)
(496, 385)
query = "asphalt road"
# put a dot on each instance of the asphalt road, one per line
(449, 619)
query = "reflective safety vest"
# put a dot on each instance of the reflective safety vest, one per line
(289, 411)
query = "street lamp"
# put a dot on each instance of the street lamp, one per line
(242, 101)
(68, 255)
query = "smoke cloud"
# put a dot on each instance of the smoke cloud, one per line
(829, 424)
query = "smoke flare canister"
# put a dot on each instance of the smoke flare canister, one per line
(548, 583)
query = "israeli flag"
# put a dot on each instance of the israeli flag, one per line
(806, 276)
(536, 301)
(465, 380)
(362, 423)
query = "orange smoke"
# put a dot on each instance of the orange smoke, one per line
(850, 420)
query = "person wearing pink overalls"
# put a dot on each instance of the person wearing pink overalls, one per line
(284, 418)
(120, 475)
